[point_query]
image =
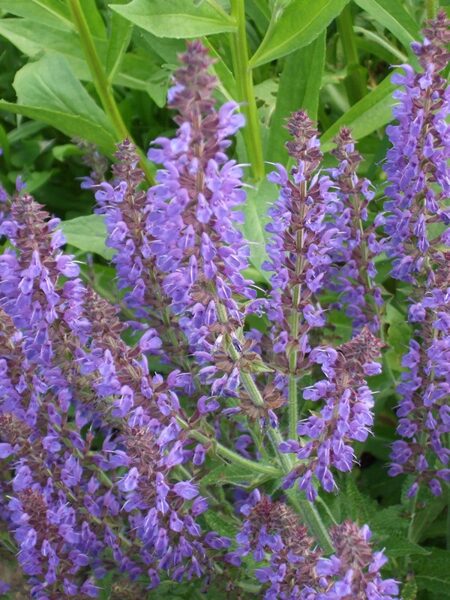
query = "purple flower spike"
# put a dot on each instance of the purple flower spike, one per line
(345, 417)
(301, 245)
(353, 273)
(418, 189)
(291, 567)
(191, 217)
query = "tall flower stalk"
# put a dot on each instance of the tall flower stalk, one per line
(353, 272)
(418, 187)
(299, 255)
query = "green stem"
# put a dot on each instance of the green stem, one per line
(432, 8)
(305, 508)
(354, 83)
(244, 80)
(294, 322)
(101, 82)
(311, 517)
(292, 406)
(225, 452)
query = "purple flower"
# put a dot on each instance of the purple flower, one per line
(418, 188)
(352, 275)
(191, 217)
(289, 566)
(345, 417)
(417, 162)
(300, 246)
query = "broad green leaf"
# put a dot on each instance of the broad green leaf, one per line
(130, 70)
(162, 49)
(299, 89)
(33, 38)
(424, 518)
(433, 573)
(354, 504)
(380, 46)
(255, 210)
(24, 130)
(48, 91)
(398, 335)
(259, 12)
(234, 474)
(297, 26)
(409, 590)
(119, 39)
(139, 73)
(177, 18)
(392, 15)
(88, 234)
(94, 19)
(398, 546)
(48, 12)
(370, 113)
(227, 82)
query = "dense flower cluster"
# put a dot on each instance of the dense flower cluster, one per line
(72, 496)
(346, 415)
(191, 219)
(418, 188)
(296, 570)
(300, 247)
(353, 271)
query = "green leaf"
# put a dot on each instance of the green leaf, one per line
(88, 234)
(297, 26)
(33, 38)
(177, 18)
(392, 15)
(138, 73)
(409, 590)
(355, 504)
(398, 336)
(370, 113)
(94, 19)
(221, 524)
(424, 518)
(131, 70)
(48, 91)
(299, 88)
(48, 12)
(119, 39)
(233, 474)
(255, 210)
(379, 46)
(227, 82)
(399, 546)
(433, 573)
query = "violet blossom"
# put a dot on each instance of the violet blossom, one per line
(346, 415)
(418, 187)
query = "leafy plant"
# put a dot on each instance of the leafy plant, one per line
(233, 376)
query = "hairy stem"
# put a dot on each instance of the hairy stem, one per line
(244, 80)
